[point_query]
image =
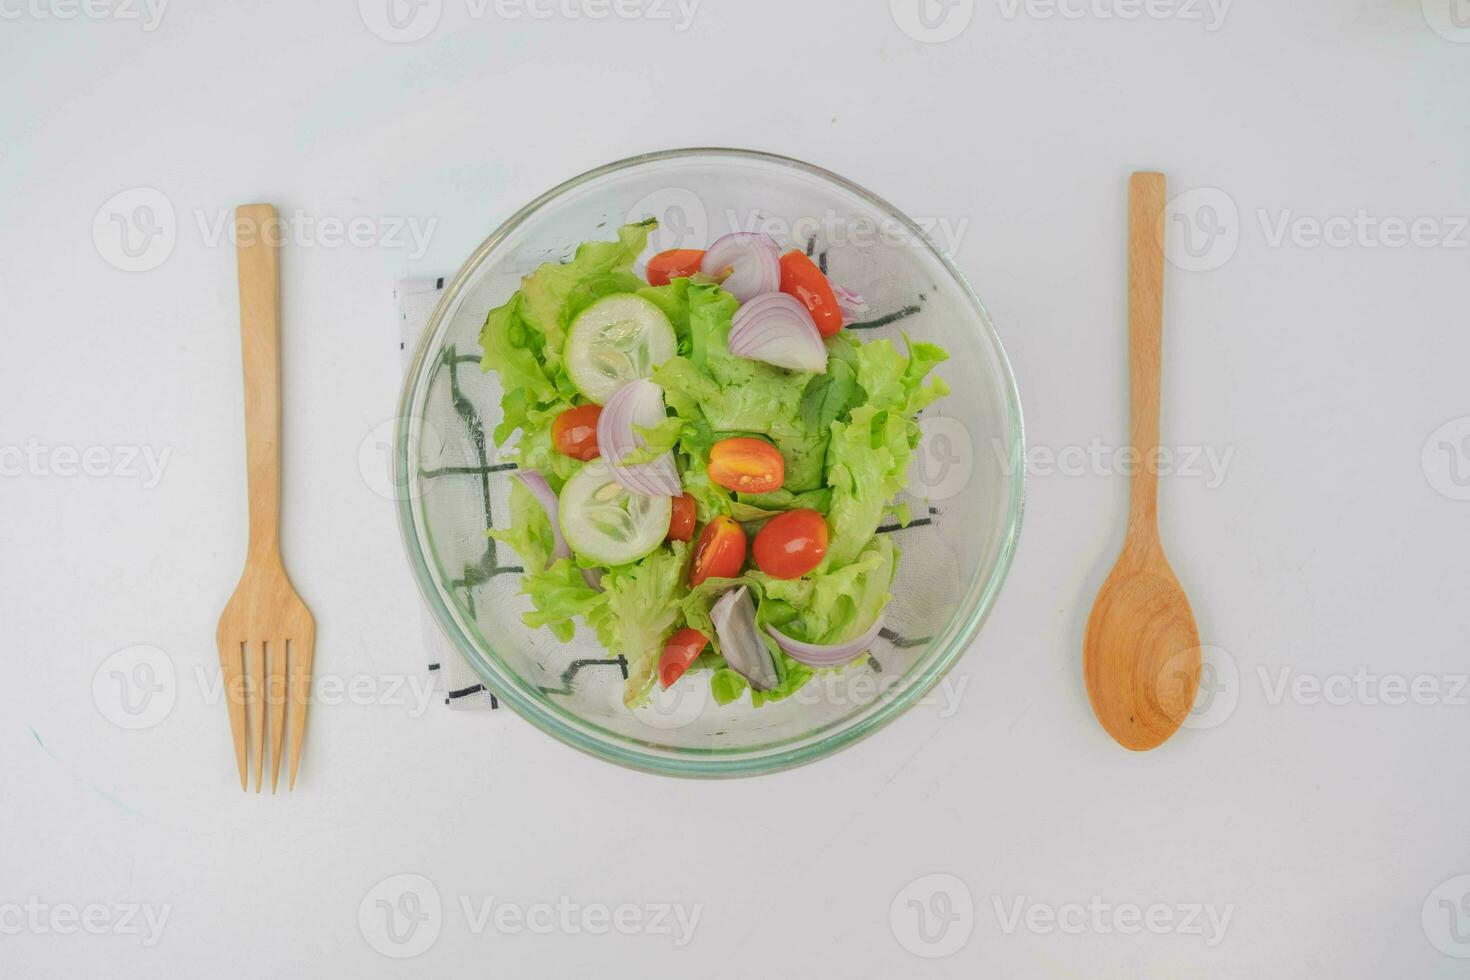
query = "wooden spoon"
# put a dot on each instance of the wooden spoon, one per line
(1141, 656)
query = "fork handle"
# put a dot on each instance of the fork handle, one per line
(257, 237)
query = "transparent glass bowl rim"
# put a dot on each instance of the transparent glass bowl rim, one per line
(565, 726)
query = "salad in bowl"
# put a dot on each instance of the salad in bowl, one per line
(705, 453)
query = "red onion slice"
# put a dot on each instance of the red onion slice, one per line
(593, 578)
(533, 481)
(745, 652)
(637, 403)
(778, 329)
(850, 303)
(826, 655)
(748, 263)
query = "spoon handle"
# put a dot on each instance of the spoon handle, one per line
(1145, 334)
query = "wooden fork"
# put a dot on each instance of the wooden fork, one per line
(266, 633)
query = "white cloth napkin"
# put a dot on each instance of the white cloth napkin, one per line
(461, 685)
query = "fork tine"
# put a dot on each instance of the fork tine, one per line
(255, 667)
(231, 655)
(300, 689)
(275, 658)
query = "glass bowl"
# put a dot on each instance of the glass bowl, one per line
(965, 495)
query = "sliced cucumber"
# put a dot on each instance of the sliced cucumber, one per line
(619, 338)
(606, 523)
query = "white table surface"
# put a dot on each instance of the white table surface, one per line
(1328, 550)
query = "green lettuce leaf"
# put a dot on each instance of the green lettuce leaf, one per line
(835, 606)
(868, 464)
(868, 455)
(643, 605)
(556, 292)
(522, 340)
(893, 382)
(530, 529)
(559, 594)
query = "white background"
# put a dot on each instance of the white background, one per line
(1330, 543)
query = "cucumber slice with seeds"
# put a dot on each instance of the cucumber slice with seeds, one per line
(604, 522)
(619, 338)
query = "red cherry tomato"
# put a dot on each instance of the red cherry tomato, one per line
(719, 552)
(681, 650)
(801, 278)
(681, 519)
(574, 433)
(676, 263)
(746, 465)
(791, 544)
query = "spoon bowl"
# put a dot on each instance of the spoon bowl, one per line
(1142, 654)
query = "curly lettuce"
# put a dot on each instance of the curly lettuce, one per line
(847, 437)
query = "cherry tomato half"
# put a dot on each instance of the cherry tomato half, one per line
(681, 519)
(746, 465)
(681, 650)
(791, 544)
(801, 278)
(574, 433)
(719, 552)
(676, 263)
